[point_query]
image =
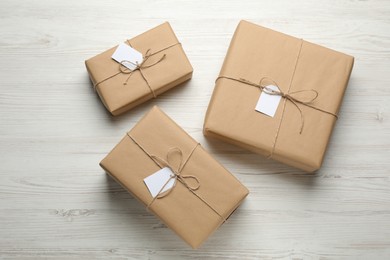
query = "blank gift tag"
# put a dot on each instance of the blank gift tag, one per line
(268, 104)
(128, 56)
(157, 180)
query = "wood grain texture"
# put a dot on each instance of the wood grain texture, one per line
(57, 203)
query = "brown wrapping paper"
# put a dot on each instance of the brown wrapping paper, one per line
(181, 210)
(256, 52)
(173, 70)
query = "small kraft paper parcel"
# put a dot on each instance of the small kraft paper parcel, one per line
(174, 177)
(278, 96)
(139, 69)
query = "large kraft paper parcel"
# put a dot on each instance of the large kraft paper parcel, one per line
(193, 215)
(298, 68)
(121, 91)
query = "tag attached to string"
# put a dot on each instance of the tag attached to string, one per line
(268, 103)
(157, 180)
(127, 56)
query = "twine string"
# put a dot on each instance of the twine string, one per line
(289, 96)
(176, 174)
(138, 67)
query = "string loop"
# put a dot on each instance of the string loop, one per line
(138, 67)
(288, 96)
(176, 173)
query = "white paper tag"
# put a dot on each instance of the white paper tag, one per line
(268, 104)
(128, 56)
(157, 180)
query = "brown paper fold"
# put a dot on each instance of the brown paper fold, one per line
(170, 72)
(256, 52)
(181, 210)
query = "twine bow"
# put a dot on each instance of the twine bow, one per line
(176, 174)
(138, 66)
(288, 96)
(294, 100)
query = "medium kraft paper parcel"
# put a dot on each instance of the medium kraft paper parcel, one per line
(174, 177)
(139, 69)
(278, 96)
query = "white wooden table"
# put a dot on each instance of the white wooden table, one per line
(57, 203)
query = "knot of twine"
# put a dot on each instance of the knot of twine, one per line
(138, 66)
(288, 96)
(176, 173)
